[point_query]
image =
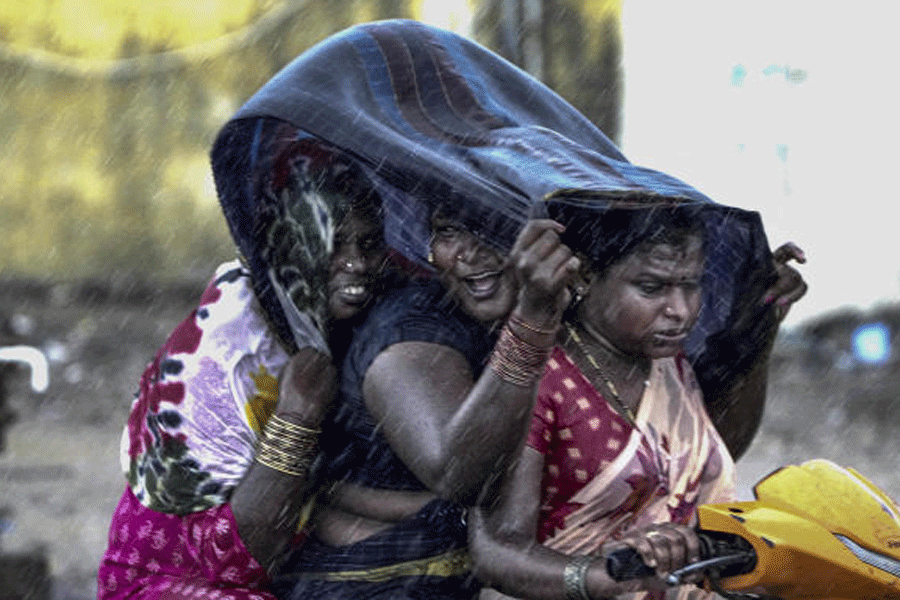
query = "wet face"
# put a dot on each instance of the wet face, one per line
(475, 274)
(646, 303)
(359, 253)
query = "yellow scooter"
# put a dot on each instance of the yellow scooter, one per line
(816, 531)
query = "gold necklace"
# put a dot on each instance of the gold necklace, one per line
(614, 392)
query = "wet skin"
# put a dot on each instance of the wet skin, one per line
(474, 273)
(640, 308)
(359, 252)
(454, 431)
(307, 389)
(645, 305)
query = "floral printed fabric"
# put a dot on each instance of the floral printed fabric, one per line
(152, 555)
(283, 193)
(603, 476)
(602, 472)
(578, 433)
(202, 402)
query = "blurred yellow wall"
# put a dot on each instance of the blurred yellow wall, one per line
(109, 108)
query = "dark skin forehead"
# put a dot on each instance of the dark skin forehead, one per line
(663, 260)
(361, 221)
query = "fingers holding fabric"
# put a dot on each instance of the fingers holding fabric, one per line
(789, 251)
(308, 385)
(789, 286)
(544, 267)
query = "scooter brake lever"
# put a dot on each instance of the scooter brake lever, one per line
(718, 562)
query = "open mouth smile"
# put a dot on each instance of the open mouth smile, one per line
(353, 293)
(483, 285)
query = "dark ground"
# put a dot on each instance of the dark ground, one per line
(59, 471)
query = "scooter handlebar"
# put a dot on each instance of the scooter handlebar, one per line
(627, 563)
(718, 553)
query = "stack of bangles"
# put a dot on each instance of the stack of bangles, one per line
(518, 361)
(287, 447)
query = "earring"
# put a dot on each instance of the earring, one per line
(430, 257)
(577, 296)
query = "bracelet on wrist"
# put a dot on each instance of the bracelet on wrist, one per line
(303, 420)
(520, 322)
(517, 361)
(575, 578)
(287, 447)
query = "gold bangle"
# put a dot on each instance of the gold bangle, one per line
(287, 447)
(285, 425)
(278, 428)
(528, 326)
(281, 461)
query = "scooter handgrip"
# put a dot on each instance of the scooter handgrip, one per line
(625, 564)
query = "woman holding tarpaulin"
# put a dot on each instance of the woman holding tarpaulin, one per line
(621, 450)
(455, 142)
(224, 425)
(460, 143)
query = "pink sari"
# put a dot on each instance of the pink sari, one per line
(604, 476)
(153, 555)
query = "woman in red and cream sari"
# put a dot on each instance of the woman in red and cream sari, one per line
(654, 469)
(621, 450)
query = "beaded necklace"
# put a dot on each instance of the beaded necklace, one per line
(614, 392)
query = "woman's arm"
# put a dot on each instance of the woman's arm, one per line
(507, 557)
(456, 434)
(738, 412)
(267, 502)
(453, 435)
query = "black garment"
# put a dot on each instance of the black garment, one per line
(366, 569)
(355, 450)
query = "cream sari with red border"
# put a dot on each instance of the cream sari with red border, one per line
(675, 439)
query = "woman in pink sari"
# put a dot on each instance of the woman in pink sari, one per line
(621, 449)
(225, 424)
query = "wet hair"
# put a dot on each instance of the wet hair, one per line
(604, 236)
(676, 232)
(490, 228)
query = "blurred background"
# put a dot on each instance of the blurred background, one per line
(110, 226)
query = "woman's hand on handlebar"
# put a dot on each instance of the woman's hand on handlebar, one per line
(664, 547)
